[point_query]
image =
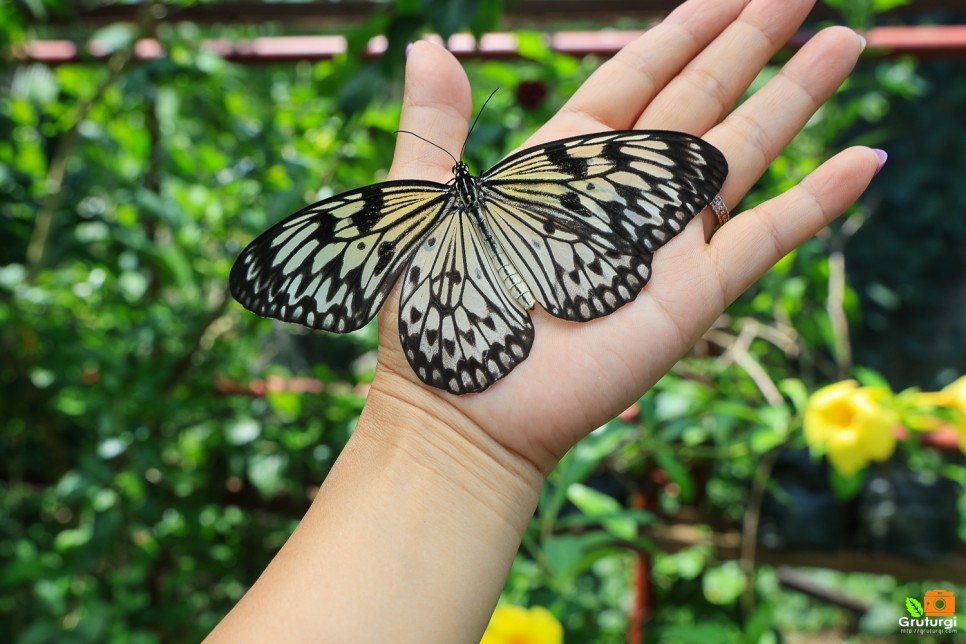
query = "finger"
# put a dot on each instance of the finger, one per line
(710, 85)
(614, 95)
(750, 244)
(436, 105)
(754, 134)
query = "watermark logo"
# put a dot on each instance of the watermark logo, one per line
(935, 614)
(914, 607)
(939, 603)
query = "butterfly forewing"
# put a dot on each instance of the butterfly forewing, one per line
(637, 185)
(460, 329)
(581, 217)
(331, 265)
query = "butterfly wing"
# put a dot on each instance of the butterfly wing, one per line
(459, 328)
(581, 217)
(331, 265)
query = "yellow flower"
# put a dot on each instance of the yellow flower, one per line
(925, 409)
(518, 625)
(919, 409)
(852, 424)
(956, 392)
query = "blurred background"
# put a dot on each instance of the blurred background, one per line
(159, 443)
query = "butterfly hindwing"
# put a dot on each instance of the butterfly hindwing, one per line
(331, 265)
(573, 275)
(581, 217)
(459, 328)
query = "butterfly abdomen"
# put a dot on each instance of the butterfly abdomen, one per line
(512, 281)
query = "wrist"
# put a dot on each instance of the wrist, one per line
(419, 431)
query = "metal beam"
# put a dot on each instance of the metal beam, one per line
(338, 14)
(939, 41)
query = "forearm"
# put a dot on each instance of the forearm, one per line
(409, 539)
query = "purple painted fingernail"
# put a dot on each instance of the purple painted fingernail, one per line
(883, 157)
(408, 49)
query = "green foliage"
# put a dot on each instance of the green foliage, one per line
(357, 82)
(134, 482)
(157, 443)
(860, 14)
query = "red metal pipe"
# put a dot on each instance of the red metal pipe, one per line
(926, 41)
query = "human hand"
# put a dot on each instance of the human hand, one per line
(684, 74)
(412, 534)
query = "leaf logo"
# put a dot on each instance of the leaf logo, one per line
(914, 607)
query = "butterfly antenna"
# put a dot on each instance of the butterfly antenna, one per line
(455, 160)
(478, 114)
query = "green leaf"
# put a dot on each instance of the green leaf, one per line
(914, 607)
(243, 430)
(532, 45)
(724, 584)
(577, 464)
(684, 564)
(569, 555)
(639, 517)
(487, 17)
(846, 487)
(596, 504)
(361, 88)
(678, 473)
(265, 472)
(886, 5)
(766, 439)
(73, 538)
(796, 391)
(286, 403)
(562, 553)
(870, 378)
(114, 37)
(449, 17)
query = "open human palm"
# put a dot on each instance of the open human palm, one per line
(683, 75)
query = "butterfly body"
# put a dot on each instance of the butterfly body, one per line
(571, 225)
(467, 187)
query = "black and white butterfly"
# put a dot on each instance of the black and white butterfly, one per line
(571, 225)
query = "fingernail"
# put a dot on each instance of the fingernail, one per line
(408, 48)
(864, 42)
(883, 157)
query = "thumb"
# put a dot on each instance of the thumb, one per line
(437, 106)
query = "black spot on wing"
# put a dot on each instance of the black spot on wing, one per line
(557, 155)
(372, 212)
(449, 346)
(386, 253)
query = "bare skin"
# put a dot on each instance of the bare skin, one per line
(413, 532)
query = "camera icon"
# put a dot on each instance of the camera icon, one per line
(939, 603)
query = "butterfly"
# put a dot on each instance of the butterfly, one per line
(571, 225)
